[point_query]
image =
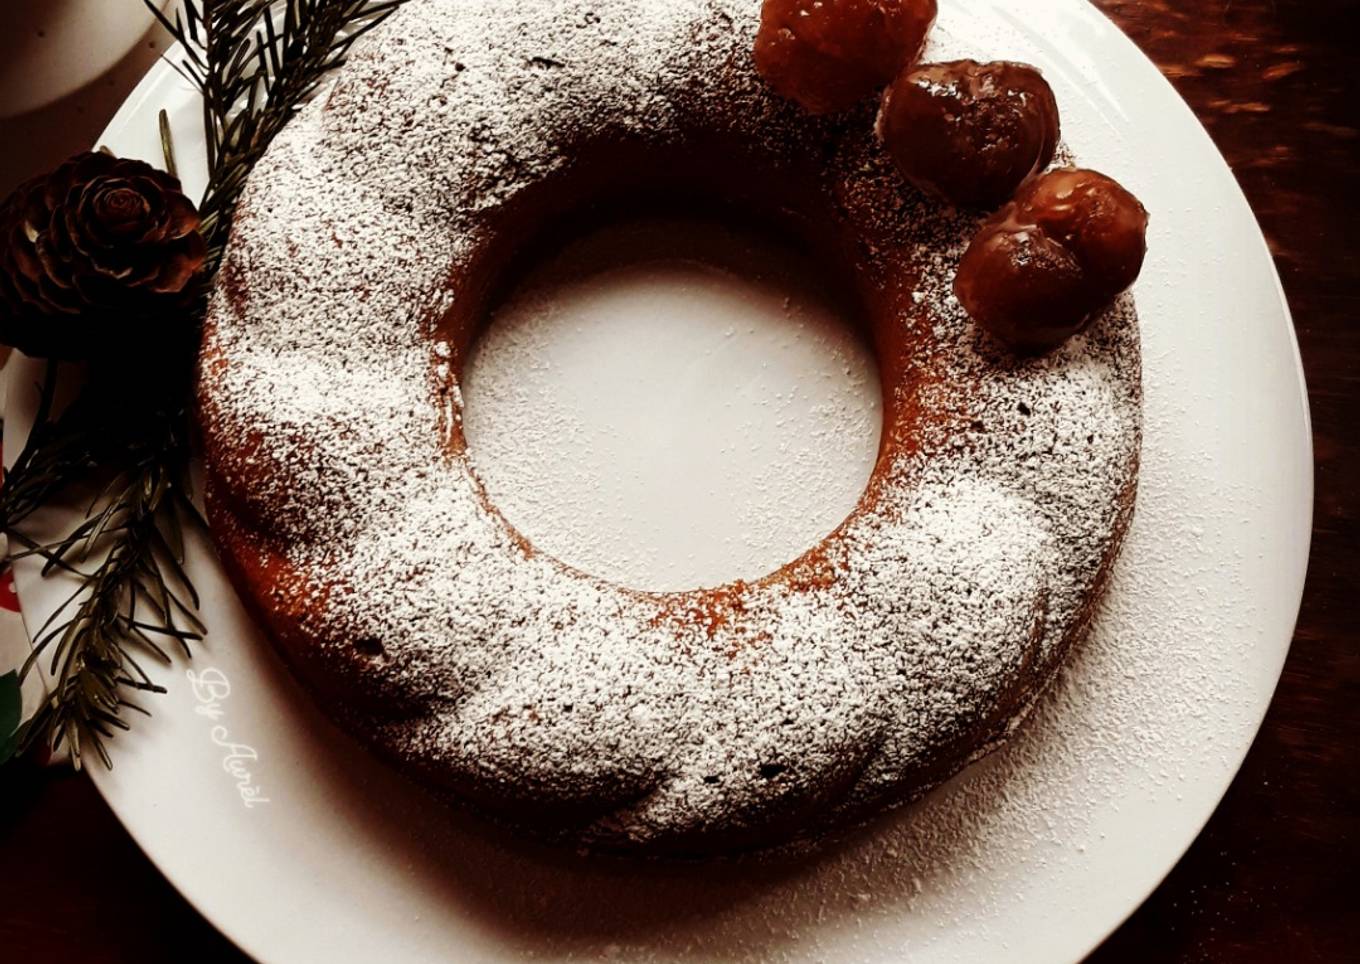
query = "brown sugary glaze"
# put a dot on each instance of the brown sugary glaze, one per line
(829, 56)
(1053, 258)
(342, 500)
(970, 132)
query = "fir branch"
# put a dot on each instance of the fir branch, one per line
(124, 558)
(131, 591)
(255, 63)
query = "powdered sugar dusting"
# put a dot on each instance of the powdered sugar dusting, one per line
(939, 608)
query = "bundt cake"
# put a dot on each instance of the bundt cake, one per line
(373, 236)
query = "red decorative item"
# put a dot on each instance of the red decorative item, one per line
(970, 132)
(9, 599)
(91, 250)
(1047, 263)
(829, 54)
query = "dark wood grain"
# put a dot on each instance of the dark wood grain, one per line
(1273, 875)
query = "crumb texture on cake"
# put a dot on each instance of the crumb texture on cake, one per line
(853, 678)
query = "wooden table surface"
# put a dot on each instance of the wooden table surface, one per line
(1273, 877)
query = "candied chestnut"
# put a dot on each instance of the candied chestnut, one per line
(1093, 216)
(970, 132)
(1049, 261)
(828, 54)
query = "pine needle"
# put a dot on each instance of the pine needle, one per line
(254, 63)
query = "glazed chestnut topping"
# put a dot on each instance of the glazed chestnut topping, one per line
(970, 132)
(829, 54)
(1044, 265)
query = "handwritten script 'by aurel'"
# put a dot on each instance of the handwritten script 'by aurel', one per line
(210, 688)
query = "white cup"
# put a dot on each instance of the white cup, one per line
(50, 48)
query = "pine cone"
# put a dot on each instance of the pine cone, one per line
(97, 253)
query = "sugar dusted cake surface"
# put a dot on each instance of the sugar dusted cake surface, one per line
(341, 498)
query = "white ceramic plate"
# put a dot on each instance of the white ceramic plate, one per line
(299, 847)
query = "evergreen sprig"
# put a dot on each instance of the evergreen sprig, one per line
(255, 63)
(125, 559)
(127, 436)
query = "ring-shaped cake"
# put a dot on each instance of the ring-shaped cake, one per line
(341, 496)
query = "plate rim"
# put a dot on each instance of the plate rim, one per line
(135, 106)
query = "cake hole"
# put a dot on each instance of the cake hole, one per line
(673, 403)
(771, 770)
(369, 647)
